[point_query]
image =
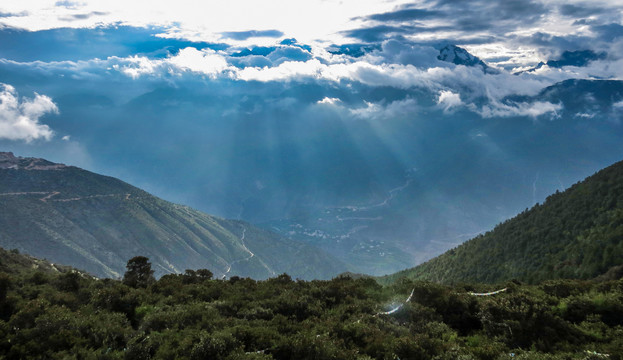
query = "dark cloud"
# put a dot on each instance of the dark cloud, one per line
(244, 35)
(473, 22)
(293, 42)
(383, 32)
(399, 52)
(574, 11)
(353, 50)
(84, 44)
(10, 14)
(609, 32)
(519, 10)
(256, 50)
(69, 4)
(262, 56)
(553, 45)
(377, 33)
(74, 17)
(501, 16)
(409, 14)
(460, 16)
(289, 53)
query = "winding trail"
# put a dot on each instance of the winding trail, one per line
(25, 193)
(251, 254)
(46, 198)
(488, 293)
(411, 295)
(385, 202)
(246, 258)
(50, 194)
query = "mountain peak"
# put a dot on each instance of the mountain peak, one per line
(10, 161)
(459, 56)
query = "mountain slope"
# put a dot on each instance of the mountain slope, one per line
(97, 223)
(14, 263)
(574, 234)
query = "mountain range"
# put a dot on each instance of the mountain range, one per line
(71, 216)
(96, 223)
(381, 170)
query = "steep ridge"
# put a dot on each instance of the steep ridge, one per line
(96, 223)
(577, 233)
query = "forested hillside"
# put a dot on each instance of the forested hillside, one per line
(575, 234)
(50, 315)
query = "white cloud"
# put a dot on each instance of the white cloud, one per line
(137, 66)
(460, 79)
(207, 62)
(585, 115)
(395, 109)
(19, 118)
(330, 101)
(289, 70)
(533, 110)
(454, 85)
(448, 100)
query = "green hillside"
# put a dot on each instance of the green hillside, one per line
(96, 223)
(574, 234)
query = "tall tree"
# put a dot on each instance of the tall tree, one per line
(139, 273)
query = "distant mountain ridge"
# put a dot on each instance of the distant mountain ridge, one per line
(96, 223)
(577, 233)
(573, 58)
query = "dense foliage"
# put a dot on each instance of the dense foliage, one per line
(49, 314)
(574, 234)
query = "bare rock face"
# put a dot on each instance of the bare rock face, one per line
(10, 161)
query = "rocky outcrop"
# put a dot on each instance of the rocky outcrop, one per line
(10, 161)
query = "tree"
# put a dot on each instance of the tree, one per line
(139, 272)
(204, 274)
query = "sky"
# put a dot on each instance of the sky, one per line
(271, 110)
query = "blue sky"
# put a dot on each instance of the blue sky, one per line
(269, 109)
